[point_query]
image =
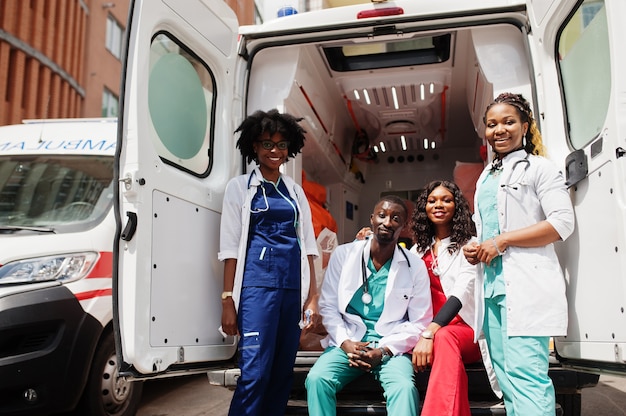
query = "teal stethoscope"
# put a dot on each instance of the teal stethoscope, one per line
(366, 297)
(267, 205)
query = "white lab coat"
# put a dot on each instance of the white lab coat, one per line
(235, 224)
(531, 190)
(407, 309)
(459, 278)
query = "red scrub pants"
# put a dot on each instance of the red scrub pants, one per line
(446, 394)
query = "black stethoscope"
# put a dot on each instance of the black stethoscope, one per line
(366, 298)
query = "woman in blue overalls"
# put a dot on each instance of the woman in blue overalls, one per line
(266, 222)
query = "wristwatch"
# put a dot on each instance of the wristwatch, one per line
(226, 295)
(427, 334)
(385, 355)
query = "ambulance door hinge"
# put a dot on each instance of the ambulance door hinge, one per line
(619, 152)
(243, 51)
(181, 354)
(128, 180)
(618, 353)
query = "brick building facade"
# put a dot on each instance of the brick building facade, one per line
(62, 58)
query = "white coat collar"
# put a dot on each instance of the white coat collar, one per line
(445, 242)
(256, 177)
(397, 257)
(514, 156)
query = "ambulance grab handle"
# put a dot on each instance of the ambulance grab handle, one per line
(131, 226)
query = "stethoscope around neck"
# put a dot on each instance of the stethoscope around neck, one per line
(513, 184)
(366, 297)
(267, 205)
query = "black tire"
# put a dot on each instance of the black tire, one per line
(570, 403)
(106, 394)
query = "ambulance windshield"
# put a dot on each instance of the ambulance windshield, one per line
(40, 193)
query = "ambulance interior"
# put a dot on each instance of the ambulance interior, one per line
(388, 114)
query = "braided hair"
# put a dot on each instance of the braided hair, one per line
(260, 122)
(533, 143)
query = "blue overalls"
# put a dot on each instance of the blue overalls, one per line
(270, 305)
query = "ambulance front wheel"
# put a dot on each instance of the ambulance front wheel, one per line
(107, 394)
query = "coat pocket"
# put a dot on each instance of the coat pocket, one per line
(397, 302)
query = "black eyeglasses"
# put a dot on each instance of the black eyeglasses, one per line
(269, 145)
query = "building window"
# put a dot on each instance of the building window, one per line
(114, 37)
(109, 104)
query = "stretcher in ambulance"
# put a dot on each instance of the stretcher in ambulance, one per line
(57, 350)
(392, 96)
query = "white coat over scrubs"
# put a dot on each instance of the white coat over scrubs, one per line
(407, 309)
(531, 189)
(236, 223)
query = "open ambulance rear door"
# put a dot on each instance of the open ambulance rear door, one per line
(580, 75)
(175, 155)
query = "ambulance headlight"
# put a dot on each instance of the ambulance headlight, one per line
(64, 268)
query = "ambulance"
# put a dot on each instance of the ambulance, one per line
(57, 349)
(392, 95)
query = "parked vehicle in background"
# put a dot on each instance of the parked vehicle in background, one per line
(57, 350)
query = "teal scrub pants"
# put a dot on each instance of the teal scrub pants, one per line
(521, 364)
(332, 372)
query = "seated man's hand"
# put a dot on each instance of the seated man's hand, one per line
(360, 355)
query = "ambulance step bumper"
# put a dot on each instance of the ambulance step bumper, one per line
(362, 407)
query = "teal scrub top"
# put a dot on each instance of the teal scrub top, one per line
(370, 313)
(488, 208)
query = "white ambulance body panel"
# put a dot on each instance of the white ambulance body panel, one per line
(79, 228)
(343, 70)
(57, 229)
(178, 83)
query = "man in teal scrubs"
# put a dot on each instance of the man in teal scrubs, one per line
(375, 303)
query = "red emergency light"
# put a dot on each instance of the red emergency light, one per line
(386, 11)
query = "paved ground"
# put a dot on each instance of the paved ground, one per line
(193, 396)
(184, 396)
(608, 398)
